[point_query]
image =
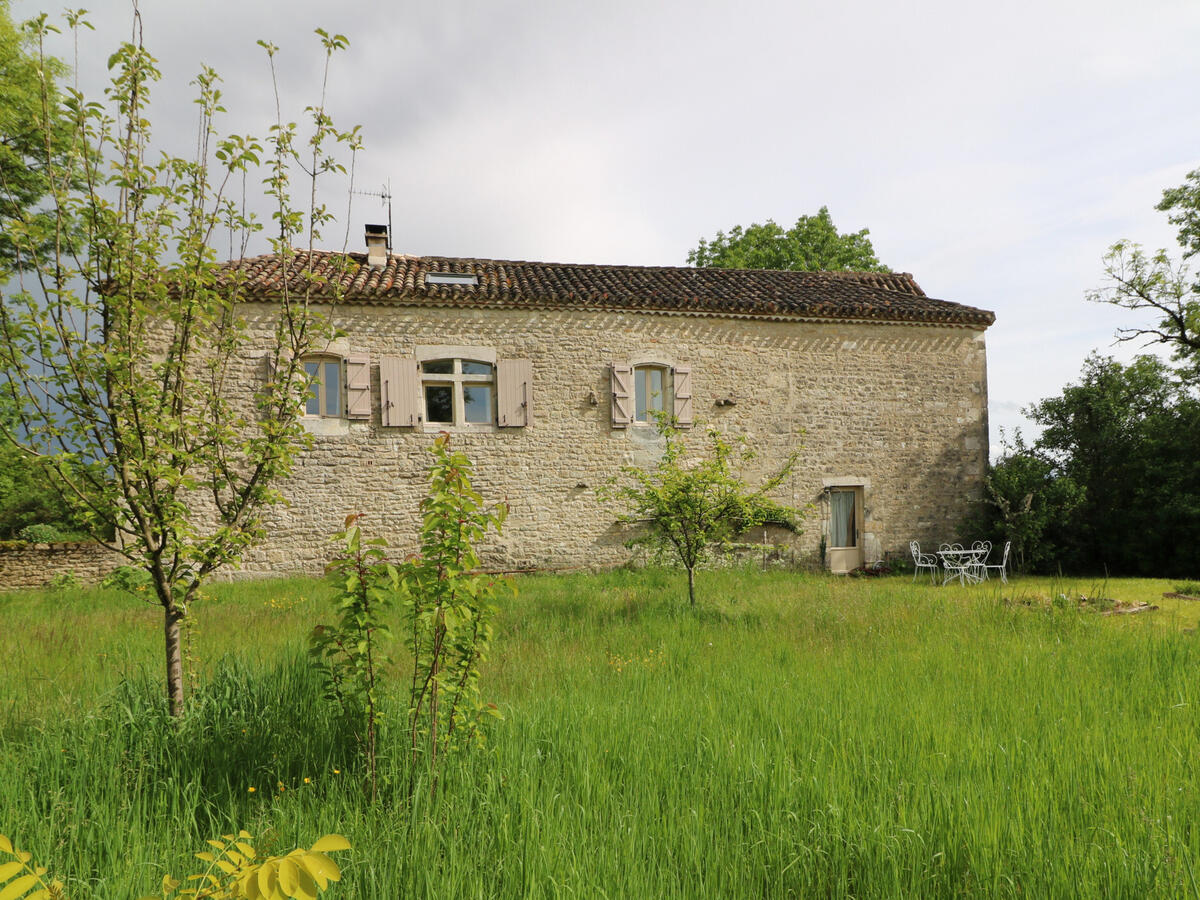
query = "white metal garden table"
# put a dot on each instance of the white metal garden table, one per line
(963, 564)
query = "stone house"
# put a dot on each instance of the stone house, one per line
(547, 375)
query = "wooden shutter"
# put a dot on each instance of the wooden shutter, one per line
(514, 392)
(270, 370)
(622, 395)
(358, 387)
(684, 413)
(399, 391)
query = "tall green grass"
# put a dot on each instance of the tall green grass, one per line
(794, 736)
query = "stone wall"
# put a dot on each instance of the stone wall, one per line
(898, 409)
(36, 565)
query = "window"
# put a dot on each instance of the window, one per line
(339, 387)
(649, 391)
(450, 386)
(642, 389)
(462, 278)
(325, 387)
(458, 392)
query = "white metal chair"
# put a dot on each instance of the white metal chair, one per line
(1002, 568)
(983, 550)
(923, 561)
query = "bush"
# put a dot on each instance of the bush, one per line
(65, 581)
(872, 569)
(129, 579)
(41, 533)
(26, 498)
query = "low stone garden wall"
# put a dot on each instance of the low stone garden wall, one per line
(25, 565)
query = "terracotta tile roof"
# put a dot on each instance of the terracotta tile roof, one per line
(506, 284)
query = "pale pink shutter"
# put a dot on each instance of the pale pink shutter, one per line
(622, 395)
(399, 391)
(514, 392)
(684, 414)
(358, 387)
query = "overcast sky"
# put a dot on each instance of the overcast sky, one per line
(993, 150)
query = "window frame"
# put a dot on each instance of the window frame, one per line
(320, 383)
(665, 397)
(459, 381)
(677, 395)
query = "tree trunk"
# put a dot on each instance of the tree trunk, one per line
(692, 585)
(171, 626)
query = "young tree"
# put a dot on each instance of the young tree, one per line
(117, 347)
(1157, 284)
(813, 244)
(447, 612)
(351, 655)
(692, 507)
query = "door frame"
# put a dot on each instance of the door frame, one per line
(840, 560)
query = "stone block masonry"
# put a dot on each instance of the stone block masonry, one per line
(900, 410)
(37, 565)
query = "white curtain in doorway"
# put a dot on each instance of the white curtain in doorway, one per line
(841, 519)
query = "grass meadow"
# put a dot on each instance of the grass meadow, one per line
(794, 736)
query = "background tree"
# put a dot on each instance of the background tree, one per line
(1157, 284)
(1030, 504)
(1112, 485)
(116, 352)
(693, 507)
(813, 244)
(27, 499)
(1130, 436)
(29, 108)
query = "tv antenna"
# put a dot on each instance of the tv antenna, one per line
(384, 194)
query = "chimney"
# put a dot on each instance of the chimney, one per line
(377, 246)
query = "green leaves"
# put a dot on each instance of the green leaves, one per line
(447, 611)
(300, 875)
(1113, 481)
(1153, 283)
(20, 879)
(812, 244)
(350, 654)
(691, 507)
(127, 371)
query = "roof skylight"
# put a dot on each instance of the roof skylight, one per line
(451, 278)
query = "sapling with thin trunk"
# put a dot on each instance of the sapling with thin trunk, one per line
(693, 507)
(122, 342)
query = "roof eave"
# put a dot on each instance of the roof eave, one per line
(415, 301)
